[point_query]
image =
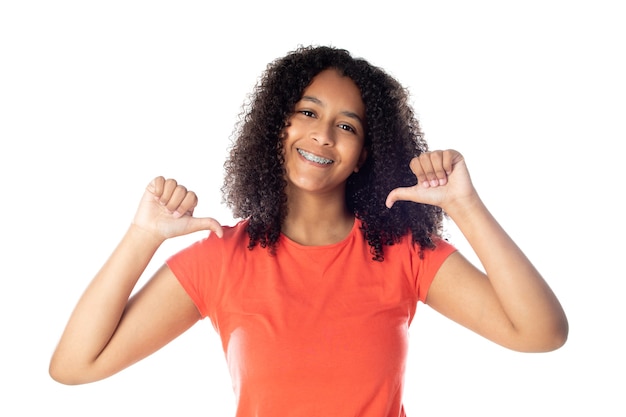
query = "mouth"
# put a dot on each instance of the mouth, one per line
(314, 158)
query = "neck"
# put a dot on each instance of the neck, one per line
(316, 221)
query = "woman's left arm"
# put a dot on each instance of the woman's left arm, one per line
(510, 303)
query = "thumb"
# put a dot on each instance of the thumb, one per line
(155, 187)
(398, 194)
(197, 224)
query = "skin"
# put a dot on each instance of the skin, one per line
(509, 304)
(328, 123)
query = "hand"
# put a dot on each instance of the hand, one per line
(442, 180)
(166, 210)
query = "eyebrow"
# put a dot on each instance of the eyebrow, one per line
(345, 112)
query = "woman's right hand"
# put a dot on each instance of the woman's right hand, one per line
(107, 331)
(166, 211)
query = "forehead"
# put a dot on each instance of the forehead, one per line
(329, 87)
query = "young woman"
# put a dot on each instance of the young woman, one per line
(312, 292)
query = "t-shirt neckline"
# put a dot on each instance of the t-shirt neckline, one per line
(355, 227)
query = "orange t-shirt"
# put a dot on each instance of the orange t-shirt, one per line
(311, 330)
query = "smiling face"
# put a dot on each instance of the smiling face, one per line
(323, 142)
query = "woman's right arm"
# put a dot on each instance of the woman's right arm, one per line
(107, 331)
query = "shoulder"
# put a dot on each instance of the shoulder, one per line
(212, 246)
(235, 233)
(412, 254)
(420, 257)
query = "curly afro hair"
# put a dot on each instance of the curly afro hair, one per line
(254, 184)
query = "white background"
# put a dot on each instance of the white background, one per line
(96, 98)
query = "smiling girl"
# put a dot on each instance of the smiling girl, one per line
(312, 292)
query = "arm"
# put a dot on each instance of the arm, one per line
(106, 331)
(510, 303)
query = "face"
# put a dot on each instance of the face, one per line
(324, 139)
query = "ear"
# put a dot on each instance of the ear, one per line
(362, 159)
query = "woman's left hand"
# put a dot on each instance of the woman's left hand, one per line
(442, 180)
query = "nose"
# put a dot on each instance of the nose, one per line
(323, 134)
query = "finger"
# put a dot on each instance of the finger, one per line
(447, 161)
(398, 194)
(155, 187)
(418, 170)
(178, 196)
(216, 227)
(207, 223)
(187, 205)
(424, 170)
(169, 186)
(439, 171)
(450, 158)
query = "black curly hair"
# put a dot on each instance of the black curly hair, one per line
(254, 184)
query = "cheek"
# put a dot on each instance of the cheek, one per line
(287, 132)
(296, 127)
(357, 153)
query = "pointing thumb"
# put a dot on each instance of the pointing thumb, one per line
(397, 194)
(206, 223)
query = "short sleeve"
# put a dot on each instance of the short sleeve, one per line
(196, 270)
(430, 264)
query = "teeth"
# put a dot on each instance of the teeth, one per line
(315, 158)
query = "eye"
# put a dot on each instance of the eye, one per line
(307, 113)
(347, 128)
